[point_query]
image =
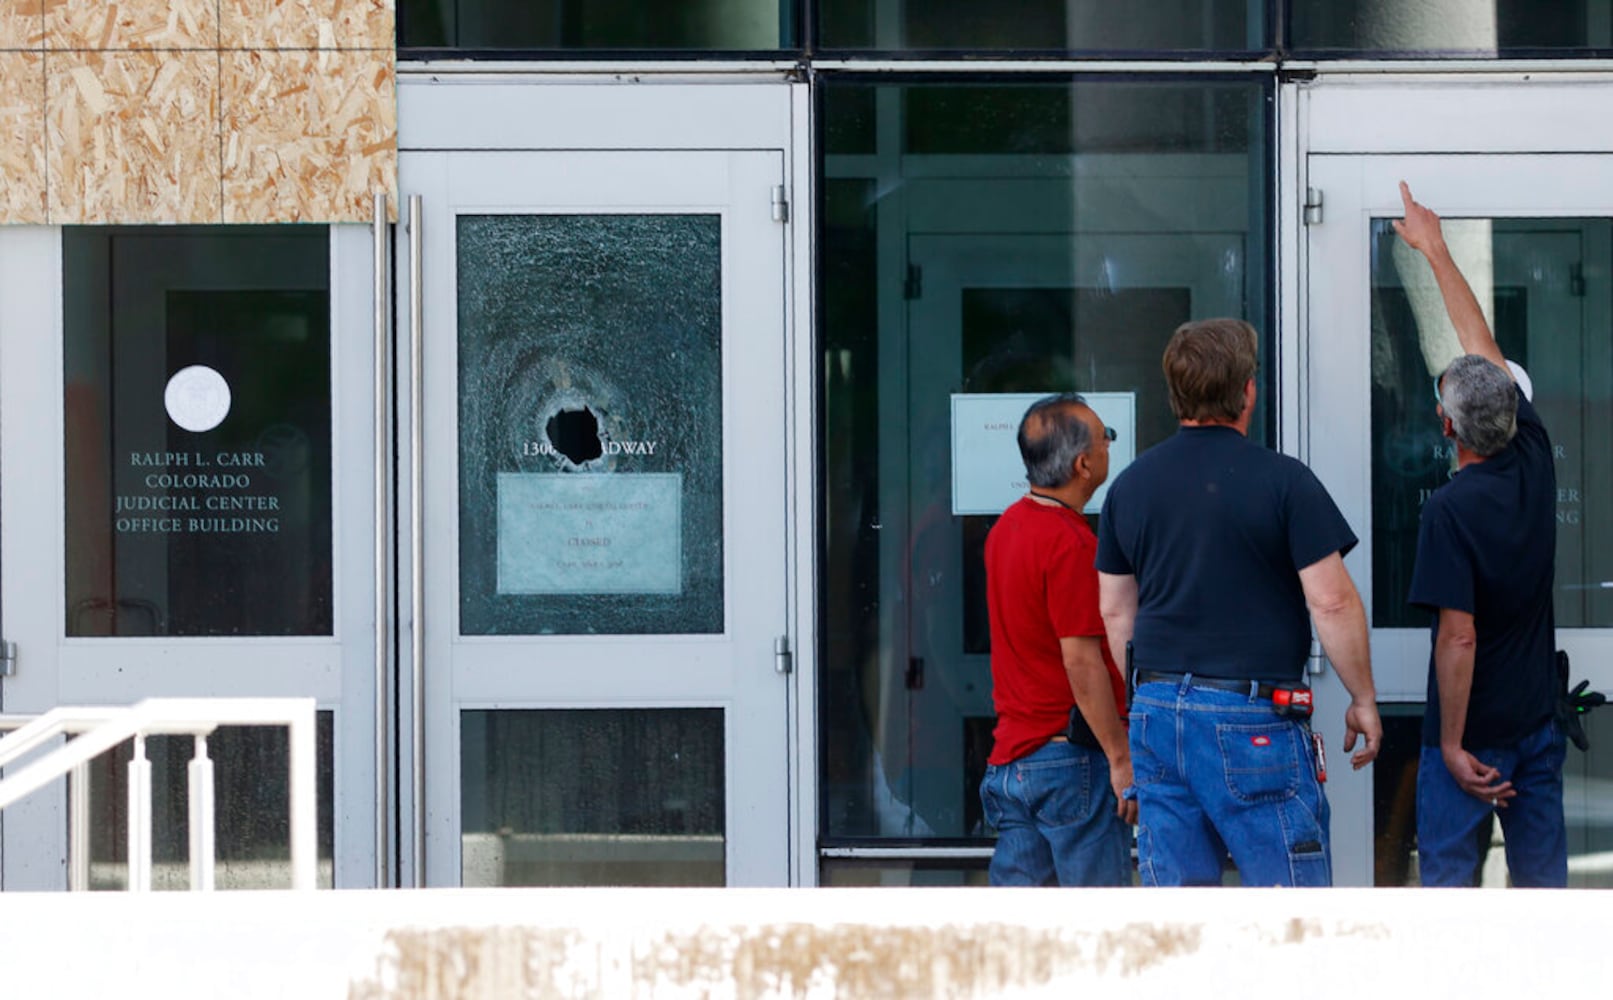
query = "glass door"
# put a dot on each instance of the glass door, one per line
(186, 510)
(1534, 236)
(603, 510)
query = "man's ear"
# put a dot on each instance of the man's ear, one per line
(1446, 427)
(1081, 467)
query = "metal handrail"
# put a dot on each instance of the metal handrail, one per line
(95, 730)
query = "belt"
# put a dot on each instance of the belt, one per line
(1253, 688)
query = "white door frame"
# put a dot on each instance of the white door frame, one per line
(1476, 145)
(447, 124)
(337, 670)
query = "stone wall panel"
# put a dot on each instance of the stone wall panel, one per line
(132, 137)
(308, 136)
(22, 138)
(131, 24)
(307, 24)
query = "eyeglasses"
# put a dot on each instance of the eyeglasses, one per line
(1109, 434)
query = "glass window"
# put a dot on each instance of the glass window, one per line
(591, 424)
(198, 438)
(1451, 27)
(1088, 26)
(592, 797)
(980, 242)
(594, 25)
(1546, 285)
(252, 809)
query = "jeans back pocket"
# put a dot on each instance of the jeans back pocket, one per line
(1261, 759)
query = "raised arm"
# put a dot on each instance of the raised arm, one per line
(1421, 230)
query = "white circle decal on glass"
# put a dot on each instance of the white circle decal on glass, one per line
(197, 398)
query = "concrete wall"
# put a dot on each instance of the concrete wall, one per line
(195, 111)
(620, 943)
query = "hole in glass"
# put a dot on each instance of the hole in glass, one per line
(575, 434)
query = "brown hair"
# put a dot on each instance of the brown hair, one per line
(1207, 364)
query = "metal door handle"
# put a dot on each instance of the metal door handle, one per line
(417, 594)
(382, 364)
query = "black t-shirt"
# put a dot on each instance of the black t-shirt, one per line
(1487, 546)
(1216, 529)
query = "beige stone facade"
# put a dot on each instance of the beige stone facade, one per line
(195, 111)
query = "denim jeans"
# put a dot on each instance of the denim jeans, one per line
(1217, 772)
(1449, 820)
(1055, 817)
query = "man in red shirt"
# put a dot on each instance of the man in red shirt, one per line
(1057, 782)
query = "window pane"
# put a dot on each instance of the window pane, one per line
(252, 808)
(198, 436)
(591, 424)
(1550, 297)
(1451, 27)
(1008, 239)
(592, 797)
(581, 25)
(841, 872)
(1095, 26)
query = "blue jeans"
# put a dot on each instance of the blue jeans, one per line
(1055, 817)
(1217, 772)
(1449, 820)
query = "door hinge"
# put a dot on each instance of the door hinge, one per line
(1317, 664)
(783, 659)
(8, 659)
(1313, 206)
(781, 204)
(913, 286)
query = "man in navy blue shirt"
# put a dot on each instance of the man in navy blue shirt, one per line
(1214, 556)
(1485, 552)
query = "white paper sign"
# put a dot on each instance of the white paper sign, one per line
(987, 472)
(602, 533)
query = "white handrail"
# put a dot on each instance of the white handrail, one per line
(102, 728)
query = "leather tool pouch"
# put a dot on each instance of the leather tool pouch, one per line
(1079, 733)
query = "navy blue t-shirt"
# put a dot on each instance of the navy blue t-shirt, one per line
(1216, 529)
(1487, 546)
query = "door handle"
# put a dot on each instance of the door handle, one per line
(417, 592)
(382, 364)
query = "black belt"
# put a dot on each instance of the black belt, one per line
(1257, 689)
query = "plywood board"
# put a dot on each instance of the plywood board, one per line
(307, 24)
(22, 138)
(131, 24)
(22, 24)
(308, 136)
(132, 137)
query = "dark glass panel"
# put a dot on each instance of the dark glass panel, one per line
(1471, 28)
(592, 797)
(591, 25)
(1090, 26)
(1009, 238)
(198, 431)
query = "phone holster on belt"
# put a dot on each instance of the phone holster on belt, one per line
(1079, 733)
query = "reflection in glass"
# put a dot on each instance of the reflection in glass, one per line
(1551, 303)
(844, 872)
(591, 433)
(1587, 805)
(252, 820)
(592, 797)
(1093, 26)
(198, 431)
(1451, 27)
(581, 25)
(1005, 238)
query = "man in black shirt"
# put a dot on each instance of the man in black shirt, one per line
(1485, 552)
(1214, 556)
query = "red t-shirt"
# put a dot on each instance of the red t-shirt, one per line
(1040, 586)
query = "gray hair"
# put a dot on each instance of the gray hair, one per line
(1479, 399)
(1051, 436)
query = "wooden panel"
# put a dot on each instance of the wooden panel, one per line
(131, 24)
(22, 137)
(307, 24)
(22, 24)
(132, 137)
(309, 136)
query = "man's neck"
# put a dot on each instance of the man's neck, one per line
(1073, 494)
(1241, 425)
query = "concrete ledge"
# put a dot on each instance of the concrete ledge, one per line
(513, 943)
